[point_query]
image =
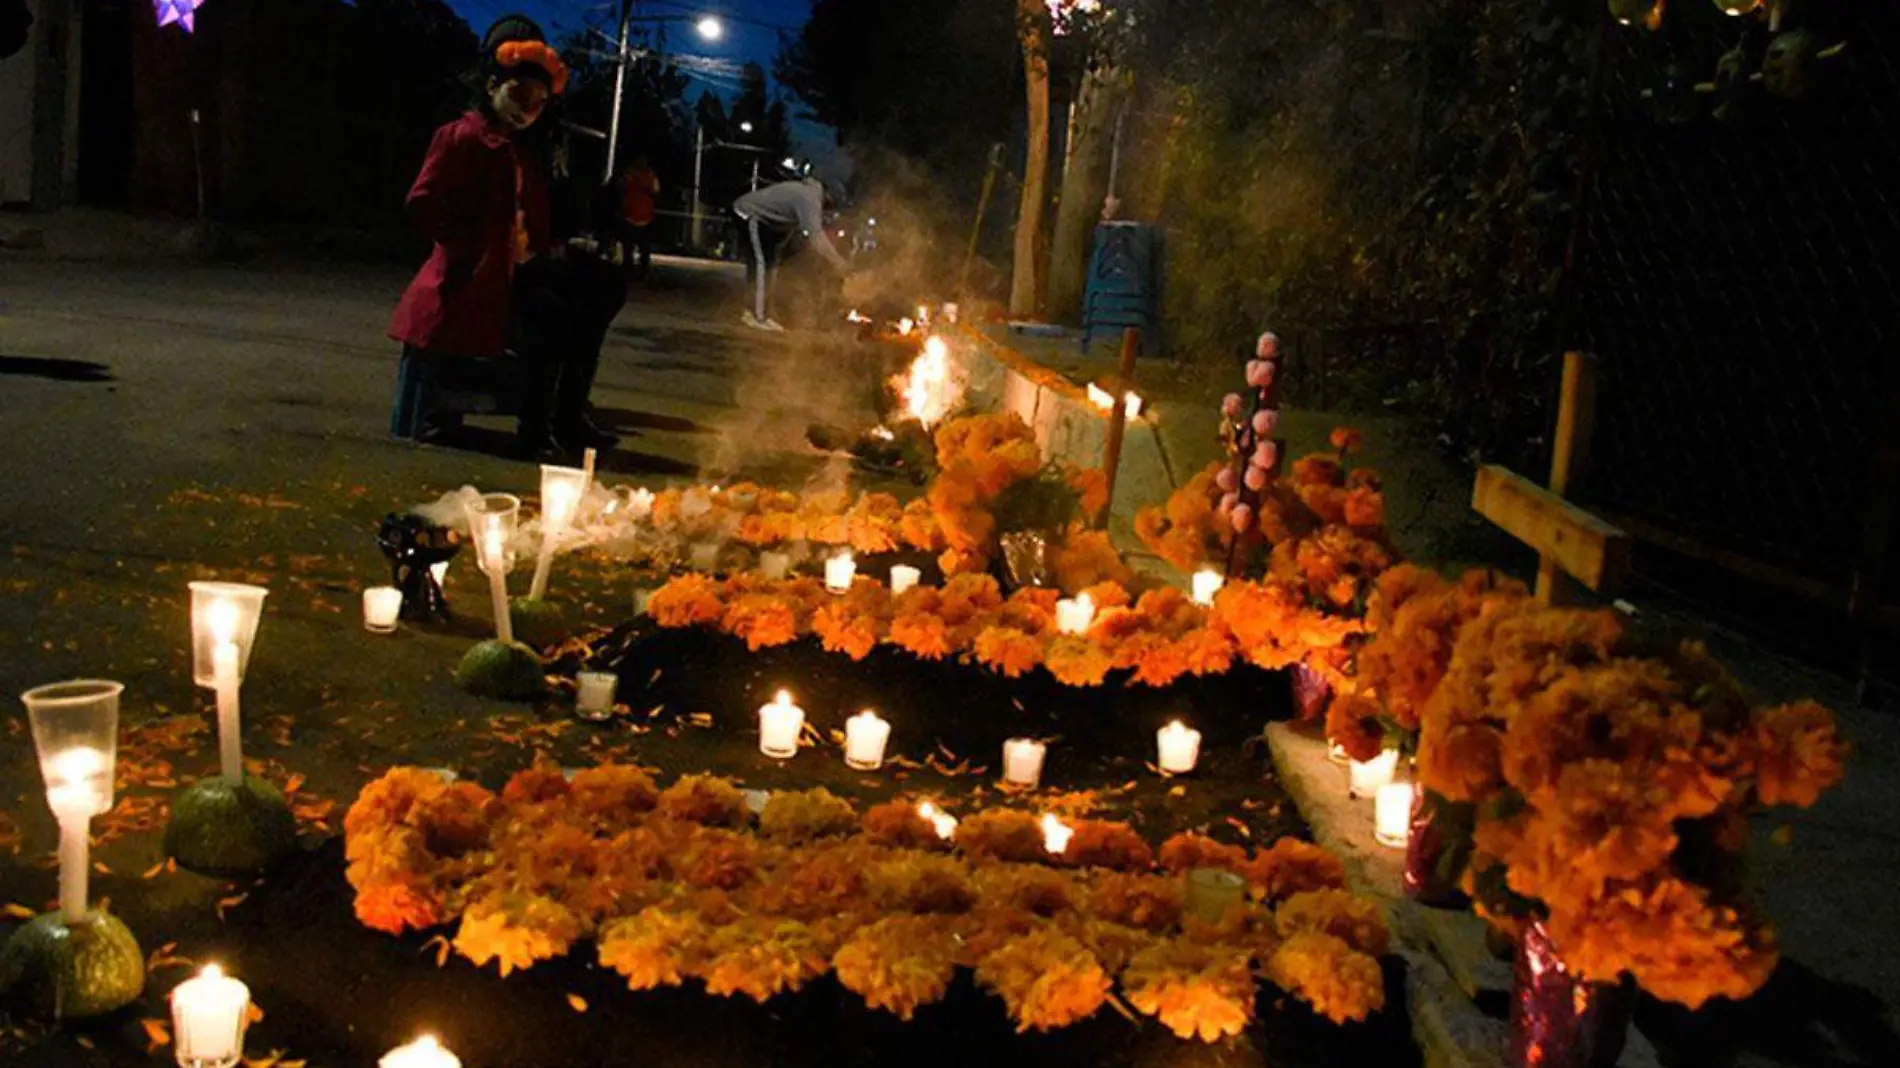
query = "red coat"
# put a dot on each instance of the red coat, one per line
(464, 201)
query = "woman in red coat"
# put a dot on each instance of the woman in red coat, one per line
(496, 276)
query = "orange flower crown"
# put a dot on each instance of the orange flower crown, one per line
(513, 54)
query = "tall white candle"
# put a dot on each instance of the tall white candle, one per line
(595, 699)
(561, 492)
(495, 562)
(224, 673)
(1364, 778)
(865, 735)
(780, 724)
(1055, 835)
(1207, 583)
(75, 859)
(1022, 761)
(1179, 748)
(840, 571)
(904, 577)
(1075, 616)
(774, 566)
(382, 607)
(1392, 814)
(424, 1052)
(209, 1015)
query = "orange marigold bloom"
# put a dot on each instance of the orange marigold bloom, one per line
(1189, 850)
(763, 620)
(687, 601)
(517, 930)
(1352, 723)
(1046, 979)
(1076, 661)
(1462, 762)
(1106, 844)
(1008, 651)
(1291, 866)
(1002, 834)
(657, 947)
(1346, 439)
(898, 964)
(898, 823)
(704, 799)
(1354, 920)
(1800, 754)
(1084, 559)
(395, 907)
(1091, 484)
(1196, 991)
(1339, 982)
(1150, 902)
(1365, 507)
(922, 634)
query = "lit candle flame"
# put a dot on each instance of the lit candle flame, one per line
(926, 391)
(221, 619)
(784, 699)
(1055, 834)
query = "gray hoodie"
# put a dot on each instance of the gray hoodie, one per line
(797, 205)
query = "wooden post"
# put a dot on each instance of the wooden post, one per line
(1576, 420)
(982, 210)
(1574, 548)
(1118, 419)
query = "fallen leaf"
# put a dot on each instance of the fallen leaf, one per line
(154, 871)
(158, 1034)
(19, 912)
(577, 1003)
(226, 904)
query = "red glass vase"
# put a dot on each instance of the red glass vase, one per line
(1559, 1021)
(1434, 848)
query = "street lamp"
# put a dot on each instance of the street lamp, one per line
(745, 127)
(708, 27)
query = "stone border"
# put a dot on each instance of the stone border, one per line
(1447, 964)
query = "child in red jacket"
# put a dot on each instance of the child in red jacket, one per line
(496, 275)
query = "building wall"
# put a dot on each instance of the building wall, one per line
(39, 109)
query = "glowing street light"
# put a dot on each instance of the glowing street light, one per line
(710, 28)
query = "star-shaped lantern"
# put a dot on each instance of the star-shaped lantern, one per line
(180, 12)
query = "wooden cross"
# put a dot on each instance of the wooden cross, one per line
(1574, 548)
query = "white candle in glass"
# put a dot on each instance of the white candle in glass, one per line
(595, 699)
(1179, 746)
(1022, 761)
(424, 1052)
(1055, 835)
(840, 571)
(1364, 778)
(1075, 616)
(780, 724)
(775, 566)
(382, 608)
(865, 735)
(561, 491)
(905, 577)
(209, 1015)
(1392, 814)
(222, 619)
(1207, 583)
(494, 561)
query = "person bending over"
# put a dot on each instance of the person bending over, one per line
(772, 218)
(495, 276)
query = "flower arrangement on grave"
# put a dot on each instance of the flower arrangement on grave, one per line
(1606, 781)
(679, 884)
(1156, 637)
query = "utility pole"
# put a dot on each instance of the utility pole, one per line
(620, 89)
(699, 164)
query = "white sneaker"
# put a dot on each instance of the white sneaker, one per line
(772, 325)
(752, 321)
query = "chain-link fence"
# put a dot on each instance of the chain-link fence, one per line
(1738, 277)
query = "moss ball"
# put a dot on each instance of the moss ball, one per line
(539, 623)
(507, 671)
(222, 829)
(88, 969)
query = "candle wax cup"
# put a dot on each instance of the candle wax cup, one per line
(904, 578)
(209, 1016)
(382, 606)
(1364, 778)
(840, 571)
(1392, 814)
(1022, 761)
(780, 724)
(1206, 585)
(1178, 748)
(424, 1052)
(596, 691)
(865, 736)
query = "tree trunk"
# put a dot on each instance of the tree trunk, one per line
(1084, 184)
(1032, 23)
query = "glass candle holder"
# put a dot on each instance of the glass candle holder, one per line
(840, 572)
(493, 519)
(865, 736)
(210, 1013)
(904, 577)
(1022, 761)
(780, 724)
(1178, 748)
(223, 612)
(595, 699)
(382, 609)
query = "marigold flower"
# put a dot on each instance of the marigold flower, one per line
(762, 957)
(1076, 661)
(796, 816)
(1196, 991)
(1354, 920)
(898, 964)
(687, 601)
(1291, 866)
(516, 930)
(1188, 850)
(1046, 979)
(704, 799)
(1002, 834)
(1801, 754)
(1007, 651)
(654, 948)
(1339, 982)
